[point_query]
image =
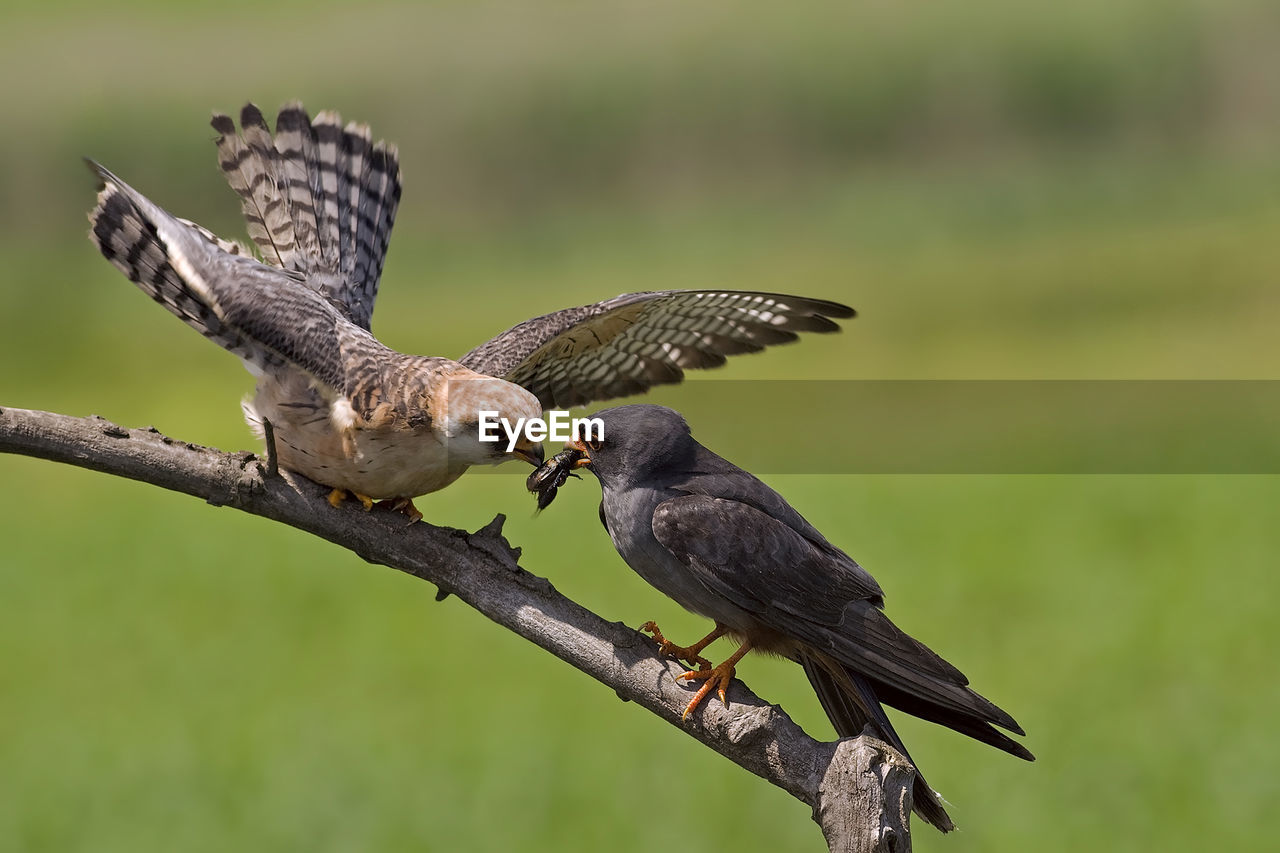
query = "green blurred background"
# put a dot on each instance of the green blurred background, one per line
(1004, 190)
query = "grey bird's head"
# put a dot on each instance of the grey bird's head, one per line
(636, 441)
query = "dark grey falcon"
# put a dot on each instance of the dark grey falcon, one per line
(320, 198)
(726, 546)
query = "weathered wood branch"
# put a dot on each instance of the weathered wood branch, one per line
(859, 789)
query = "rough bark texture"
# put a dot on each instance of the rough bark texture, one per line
(864, 800)
(859, 789)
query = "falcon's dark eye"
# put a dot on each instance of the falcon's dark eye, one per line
(594, 443)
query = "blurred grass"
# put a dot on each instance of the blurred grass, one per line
(1004, 191)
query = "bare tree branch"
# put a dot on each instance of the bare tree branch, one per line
(859, 789)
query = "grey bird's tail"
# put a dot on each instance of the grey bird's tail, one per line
(852, 702)
(851, 706)
(319, 198)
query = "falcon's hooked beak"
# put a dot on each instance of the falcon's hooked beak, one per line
(529, 451)
(585, 461)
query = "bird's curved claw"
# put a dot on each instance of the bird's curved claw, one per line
(717, 678)
(404, 505)
(666, 648)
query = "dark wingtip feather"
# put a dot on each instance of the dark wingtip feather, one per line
(825, 307)
(222, 123)
(809, 305)
(103, 175)
(292, 116)
(105, 219)
(998, 716)
(835, 309)
(811, 323)
(250, 115)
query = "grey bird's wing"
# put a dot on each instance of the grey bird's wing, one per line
(712, 475)
(319, 198)
(633, 342)
(262, 313)
(801, 590)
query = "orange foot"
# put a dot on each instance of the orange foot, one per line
(404, 505)
(337, 496)
(717, 678)
(689, 654)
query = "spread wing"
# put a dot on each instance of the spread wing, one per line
(266, 315)
(768, 569)
(633, 342)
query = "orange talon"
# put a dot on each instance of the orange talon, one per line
(410, 510)
(717, 678)
(690, 654)
(337, 496)
(404, 505)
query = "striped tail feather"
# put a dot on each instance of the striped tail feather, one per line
(304, 193)
(319, 198)
(251, 171)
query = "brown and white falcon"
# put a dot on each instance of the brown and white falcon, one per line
(346, 411)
